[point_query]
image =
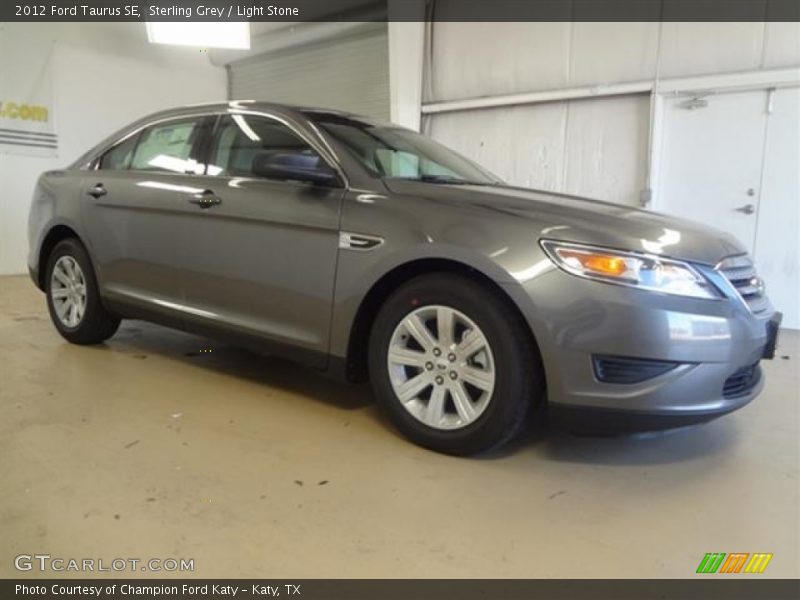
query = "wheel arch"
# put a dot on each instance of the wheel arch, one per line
(56, 234)
(379, 292)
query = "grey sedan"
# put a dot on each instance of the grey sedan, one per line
(371, 252)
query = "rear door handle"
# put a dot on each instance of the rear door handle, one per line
(97, 191)
(205, 199)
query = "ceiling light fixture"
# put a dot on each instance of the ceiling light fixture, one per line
(201, 34)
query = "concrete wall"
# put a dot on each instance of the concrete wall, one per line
(104, 76)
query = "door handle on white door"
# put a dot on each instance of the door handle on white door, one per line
(747, 209)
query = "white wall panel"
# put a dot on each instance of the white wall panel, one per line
(613, 52)
(406, 67)
(594, 148)
(702, 48)
(480, 59)
(606, 148)
(470, 60)
(782, 45)
(524, 145)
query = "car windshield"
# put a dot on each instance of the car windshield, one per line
(394, 152)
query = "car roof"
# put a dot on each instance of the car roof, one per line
(250, 105)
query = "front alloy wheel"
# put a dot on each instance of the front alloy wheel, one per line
(453, 364)
(441, 367)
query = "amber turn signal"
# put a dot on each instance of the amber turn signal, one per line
(601, 264)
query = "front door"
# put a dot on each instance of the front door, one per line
(259, 254)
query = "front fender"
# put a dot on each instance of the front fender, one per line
(356, 278)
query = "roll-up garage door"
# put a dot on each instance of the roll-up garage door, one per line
(345, 73)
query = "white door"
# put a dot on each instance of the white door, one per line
(711, 160)
(730, 160)
(777, 250)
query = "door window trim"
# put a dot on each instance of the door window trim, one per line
(94, 164)
(112, 147)
(315, 145)
(200, 122)
(320, 146)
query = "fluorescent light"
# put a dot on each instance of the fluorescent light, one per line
(203, 35)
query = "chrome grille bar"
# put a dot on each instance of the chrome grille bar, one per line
(741, 274)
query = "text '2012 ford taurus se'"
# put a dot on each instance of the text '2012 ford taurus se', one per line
(370, 251)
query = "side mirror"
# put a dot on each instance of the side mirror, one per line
(294, 166)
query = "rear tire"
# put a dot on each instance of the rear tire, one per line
(73, 299)
(452, 366)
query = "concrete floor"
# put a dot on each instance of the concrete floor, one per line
(161, 444)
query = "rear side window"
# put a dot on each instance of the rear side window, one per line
(168, 147)
(241, 138)
(119, 157)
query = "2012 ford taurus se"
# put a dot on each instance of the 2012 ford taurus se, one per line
(369, 251)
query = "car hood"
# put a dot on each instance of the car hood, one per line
(583, 220)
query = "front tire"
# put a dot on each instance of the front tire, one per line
(73, 299)
(453, 365)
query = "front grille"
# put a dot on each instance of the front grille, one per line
(618, 369)
(741, 274)
(742, 382)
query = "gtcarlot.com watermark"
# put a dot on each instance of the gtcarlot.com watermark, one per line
(46, 563)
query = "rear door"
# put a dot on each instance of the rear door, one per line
(132, 211)
(260, 257)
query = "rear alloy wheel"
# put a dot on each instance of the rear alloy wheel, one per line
(453, 365)
(73, 298)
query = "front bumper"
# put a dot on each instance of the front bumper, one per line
(590, 420)
(710, 342)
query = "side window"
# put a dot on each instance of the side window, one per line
(168, 147)
(242, 142)
(119, 157)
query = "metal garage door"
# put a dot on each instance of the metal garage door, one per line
(347, 73)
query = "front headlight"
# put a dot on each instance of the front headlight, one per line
(642, 271)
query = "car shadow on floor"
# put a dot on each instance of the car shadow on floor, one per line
(143, 339)
(552, 441)
(548, 441)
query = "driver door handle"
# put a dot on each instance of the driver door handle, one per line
(205, 199)
(96, 191)
(747, 209)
